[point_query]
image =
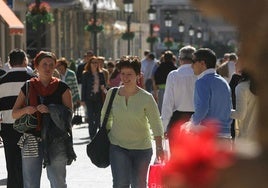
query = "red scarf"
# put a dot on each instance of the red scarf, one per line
(37, 89)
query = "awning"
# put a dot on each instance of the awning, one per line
(16, 27)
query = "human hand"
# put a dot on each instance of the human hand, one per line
(42, 108)
(30, 109)
(160, 155)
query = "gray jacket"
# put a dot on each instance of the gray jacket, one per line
(57, 133)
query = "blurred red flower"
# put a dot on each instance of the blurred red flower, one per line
(195, 157)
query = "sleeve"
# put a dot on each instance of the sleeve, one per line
(74, 89)
(201, 102)
(23, 88)
(153, 116)
(102, 79)
(84, 86)
(168, 102)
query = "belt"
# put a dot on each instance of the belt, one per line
(161, 86)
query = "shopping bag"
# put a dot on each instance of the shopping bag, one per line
(155, 175)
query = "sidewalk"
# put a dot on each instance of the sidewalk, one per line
(81, 174)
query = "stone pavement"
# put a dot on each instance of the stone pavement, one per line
(81, 174)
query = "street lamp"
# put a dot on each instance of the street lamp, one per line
(128, 8)
(152, 17)
(168, 24)
(181, 28)
(191, 34)
(95, 42)
(199, 35)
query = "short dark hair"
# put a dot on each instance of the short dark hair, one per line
(16, 57)
(151, 56)
(130, 62)
(146, 52)
(207, 55)
(168, 56)
(233, 57)
(62, 61)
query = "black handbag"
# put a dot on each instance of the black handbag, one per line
(98, 148)
(77, 119)
(27, 121)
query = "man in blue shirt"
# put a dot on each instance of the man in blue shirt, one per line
(212, 95)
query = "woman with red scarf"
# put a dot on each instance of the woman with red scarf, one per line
(43, 91)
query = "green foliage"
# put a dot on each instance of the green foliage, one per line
(128, 36)
(38, 19)
(168, 43)
(91, 28)
(152, 39)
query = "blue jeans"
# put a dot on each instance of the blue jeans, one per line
(32, 170)
(56, 172)
(129, 167)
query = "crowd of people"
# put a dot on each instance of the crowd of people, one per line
(153, 96)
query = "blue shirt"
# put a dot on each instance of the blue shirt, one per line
(212, 101)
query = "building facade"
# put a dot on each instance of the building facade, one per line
(67, 36)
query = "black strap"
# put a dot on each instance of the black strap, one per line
(109, 107)
(27, 102)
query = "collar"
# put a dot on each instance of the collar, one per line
(13, 69)
(186, 65)
(208, 71)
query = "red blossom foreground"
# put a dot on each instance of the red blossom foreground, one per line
(196, 158)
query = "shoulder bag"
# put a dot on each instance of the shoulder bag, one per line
(98, 148)
(26, 121)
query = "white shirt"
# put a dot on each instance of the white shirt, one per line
(245, 112)
(179, 92)
(231, 70)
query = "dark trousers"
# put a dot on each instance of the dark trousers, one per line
(13, 156)
(177, 117)
(93, 115)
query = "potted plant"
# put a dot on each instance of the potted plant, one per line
(38, 14)
(152, 39)
(168, 41)
(128, 35)
(90, 27)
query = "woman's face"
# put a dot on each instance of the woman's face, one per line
(61, 69)
(128, 76)
(46, 67)
(94, 64)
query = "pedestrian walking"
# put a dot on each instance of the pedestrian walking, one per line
(93, 88)
(134, 112)
(212, 95)
(178, 102)
(10, 85)
(69, 77)
(50, 100)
